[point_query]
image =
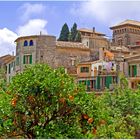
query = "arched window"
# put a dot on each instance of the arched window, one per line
(25, 43)
(31, 43)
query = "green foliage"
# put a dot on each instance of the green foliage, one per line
(73, 32)
(70, 37)
(73, 35)
(64, 35)
(78, 37)
(45, 103)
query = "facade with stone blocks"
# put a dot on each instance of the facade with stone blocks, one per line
(45, 49)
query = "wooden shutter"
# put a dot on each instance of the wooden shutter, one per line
(24, 59)
(108, 81)
(9, 68)
(135, 70)
(98, 82)
(129, 71)
(30, 59)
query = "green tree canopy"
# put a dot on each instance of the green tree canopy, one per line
(46, 103)
(73, 32)
(64, 33)
(78, 37)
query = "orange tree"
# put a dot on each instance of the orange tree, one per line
(47, 103)
(119, 113)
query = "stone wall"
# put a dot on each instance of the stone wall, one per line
(65, 56)
(46, 49)
(128, 35)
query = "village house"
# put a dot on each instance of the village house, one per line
(94, 40)
(100, 74)
(95, 61)
(132, 71)
(46, 49)
(7, 64)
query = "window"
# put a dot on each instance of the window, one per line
(31, 43)
(132, 70)
(25, 43)
(84, 69)
(9, 69)
(27, 59)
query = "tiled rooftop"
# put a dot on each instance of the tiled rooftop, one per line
(90, 31)
(127, 22)
(6, 59)
(64, 44)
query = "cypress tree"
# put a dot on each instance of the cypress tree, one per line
(64, 33)
(78, 37)
(73, 32)
(70, 37)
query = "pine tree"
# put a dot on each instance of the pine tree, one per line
(78, 37)
(73, 32)
(70, 37)
(64, 33)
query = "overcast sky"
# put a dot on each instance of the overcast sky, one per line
(29, 18)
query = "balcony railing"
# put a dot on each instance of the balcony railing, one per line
(105, 72)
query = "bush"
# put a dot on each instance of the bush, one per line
(45, 103)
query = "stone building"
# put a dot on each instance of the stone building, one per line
(126, 33)
(45, 49)
(7, 64)
(97, 75)
(132, 70)
(94, 40)
(34, 49)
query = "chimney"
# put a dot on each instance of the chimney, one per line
(93, 29)
(40, 33)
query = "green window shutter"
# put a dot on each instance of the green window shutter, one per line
(30, 59)
(129, 70)
(80, 82)
(98, 82)
(88, 82)
(9, 70)
(88, 85)
(24, 59)
(135, 70)
(81, 69)
(108, 81)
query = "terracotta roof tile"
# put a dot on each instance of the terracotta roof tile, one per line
(6, 59)
(64, 44)
(127, 22)
(90, 31)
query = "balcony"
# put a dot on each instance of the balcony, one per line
(105, 72)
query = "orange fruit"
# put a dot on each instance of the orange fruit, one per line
(85, 116)
(90, 120)
(71, 98)
(13, 102)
